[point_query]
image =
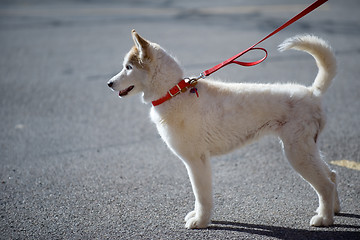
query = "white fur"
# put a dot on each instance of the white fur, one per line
(227, 116)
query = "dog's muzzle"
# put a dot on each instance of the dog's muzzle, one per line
(124, 92)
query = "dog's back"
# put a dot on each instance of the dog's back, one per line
(230, 115)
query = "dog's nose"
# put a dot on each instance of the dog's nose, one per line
(110, 84)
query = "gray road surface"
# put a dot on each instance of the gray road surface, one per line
(76, 162)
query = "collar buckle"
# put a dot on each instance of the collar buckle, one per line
(178, 91)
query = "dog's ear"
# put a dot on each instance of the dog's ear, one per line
(141, 44)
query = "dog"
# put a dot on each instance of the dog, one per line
(227, 116)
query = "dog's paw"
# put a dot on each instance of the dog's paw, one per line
(196, 222)
(190, 215)
(320, 221)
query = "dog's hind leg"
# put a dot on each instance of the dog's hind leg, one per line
(337, 206)
(304, 157)
(199, 171)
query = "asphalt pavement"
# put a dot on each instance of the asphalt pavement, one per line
(77, 162)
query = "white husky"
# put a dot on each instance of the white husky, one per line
(227, 116)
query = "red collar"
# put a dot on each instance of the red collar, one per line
(182, 86)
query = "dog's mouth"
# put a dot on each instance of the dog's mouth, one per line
(124, 92)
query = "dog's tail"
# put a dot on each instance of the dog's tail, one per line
(323, 55)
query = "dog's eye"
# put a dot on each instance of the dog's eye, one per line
(128, 67)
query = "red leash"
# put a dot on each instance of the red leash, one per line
(183, 85)
(309, 9)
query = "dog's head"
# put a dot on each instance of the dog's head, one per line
(147, 68)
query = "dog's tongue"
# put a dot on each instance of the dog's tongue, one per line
(126, 91)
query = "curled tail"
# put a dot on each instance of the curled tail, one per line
(323, 54)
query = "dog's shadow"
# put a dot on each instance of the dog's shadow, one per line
(349, 232)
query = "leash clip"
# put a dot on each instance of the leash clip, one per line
(193, 81)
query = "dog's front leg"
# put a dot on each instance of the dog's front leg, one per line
(199, 171)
